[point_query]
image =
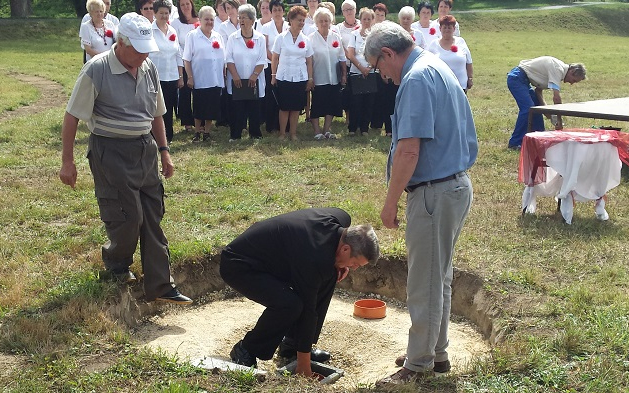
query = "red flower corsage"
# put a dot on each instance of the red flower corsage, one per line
(357, 27)
(216, 45)
(172, 37)
(432, 31)
(109, 33)
(196, 24)
(454, 48)
(335, 44)
(250, 44)
(413, 37)
(301, 44)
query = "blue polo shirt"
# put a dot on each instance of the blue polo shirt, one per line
(431, 105)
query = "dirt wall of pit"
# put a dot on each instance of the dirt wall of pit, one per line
(387, 278)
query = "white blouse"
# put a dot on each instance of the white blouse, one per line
(327, 55)
(98, 40)
(457, 61)
(419, 39)
(358, 43)
(226, 29)
(168, 59)
(292, 62)
(246, 59)
(270, 31)
(428, 38)
(206, 60)
(309, 26)
(182, 30)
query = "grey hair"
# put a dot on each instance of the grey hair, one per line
(207, 9)
(578, 70)
(322, 11)
(406, 10)
(351, 3)
(91, 3)
(390, 35)
(363, 241)
(248, 10)
(123, 38)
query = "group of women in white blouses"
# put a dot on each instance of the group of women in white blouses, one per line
(300, 63)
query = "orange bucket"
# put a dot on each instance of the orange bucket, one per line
(370, 309)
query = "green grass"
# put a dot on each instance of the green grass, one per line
(14, 94)
(562, 289)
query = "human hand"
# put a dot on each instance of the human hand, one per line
(252, 80)
(273, 80)
(180, 83)
(237, 82)
(341, 273)
(303, 364)
(388, 215)
(310, 85)
(190, 82)
(68, 174)
(364, 71)
(470, 83)
(168, 169)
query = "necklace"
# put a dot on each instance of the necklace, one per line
(352, 25)
(98, 32)
(246, 38)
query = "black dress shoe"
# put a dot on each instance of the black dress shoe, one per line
(174, 296)
(123, 276)
(240, 355)
(288, 349)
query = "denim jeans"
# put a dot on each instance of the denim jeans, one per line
(525, 97)
(435, 215)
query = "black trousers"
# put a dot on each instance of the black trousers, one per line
(169, 90)
(272, 110)
(384, 105)
(283, 304)
(241, 111)
(184, 105)
(360, 112)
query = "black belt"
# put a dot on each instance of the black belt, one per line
(426, 183)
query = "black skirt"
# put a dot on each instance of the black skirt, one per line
(326, 100)
(206, 103)
(291, 96)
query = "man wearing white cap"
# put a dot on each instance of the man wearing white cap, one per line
(118, 95)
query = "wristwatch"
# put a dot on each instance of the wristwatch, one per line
(164, 148)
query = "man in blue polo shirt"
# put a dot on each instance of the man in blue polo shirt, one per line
(434, 143)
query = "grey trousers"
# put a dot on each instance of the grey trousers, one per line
(435, 215)
(131, 201)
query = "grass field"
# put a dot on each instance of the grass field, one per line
(563, 288)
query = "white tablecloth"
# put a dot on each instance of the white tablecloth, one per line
(577, 172)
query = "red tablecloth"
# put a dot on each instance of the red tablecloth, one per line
(535, 144)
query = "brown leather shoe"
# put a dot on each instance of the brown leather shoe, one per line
(404, 375)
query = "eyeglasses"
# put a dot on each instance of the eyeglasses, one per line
(375, 67)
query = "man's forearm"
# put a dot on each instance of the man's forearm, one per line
(68, 135)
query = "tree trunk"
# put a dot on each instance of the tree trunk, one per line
(79, 7)
(20, 8)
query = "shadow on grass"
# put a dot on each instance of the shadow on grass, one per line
(584, 227)
(270, 145)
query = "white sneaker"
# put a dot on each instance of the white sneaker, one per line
(319, 136)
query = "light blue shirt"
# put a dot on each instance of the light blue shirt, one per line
(431, 105)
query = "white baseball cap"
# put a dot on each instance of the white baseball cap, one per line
(140, 32)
